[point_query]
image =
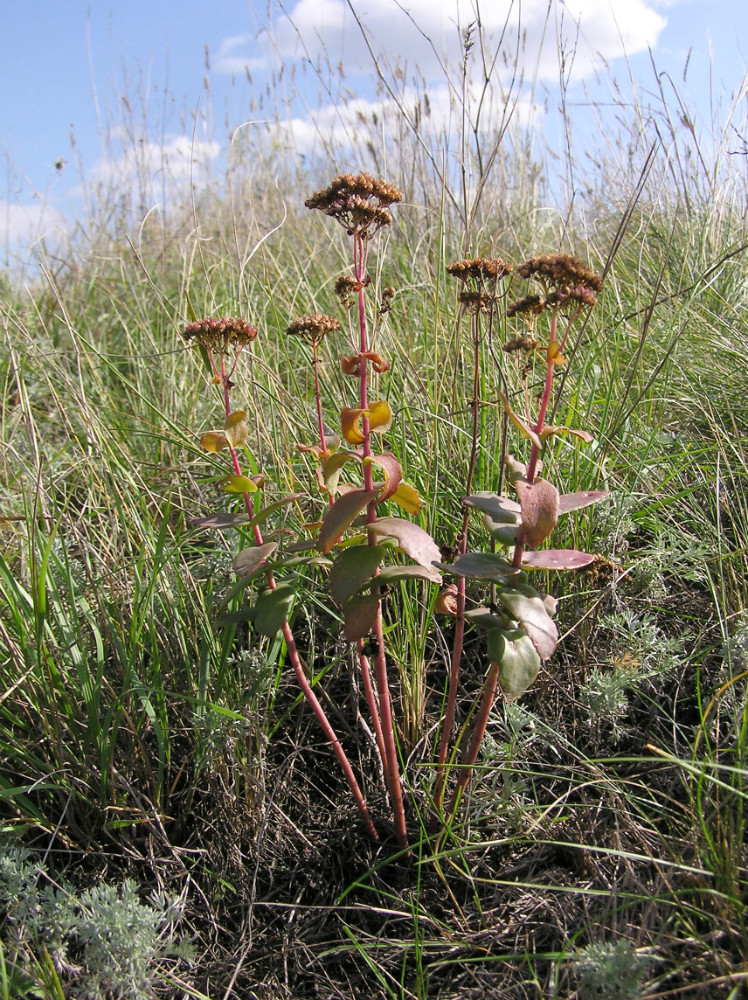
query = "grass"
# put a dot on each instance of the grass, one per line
(602, 846)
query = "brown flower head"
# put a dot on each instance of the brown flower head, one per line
(523, 342)
(476, 302)
(220, 334)
(388, 294)
(346, 286)
(480, 269)
(529, 305)
(313, 329)
(358, 202)
(561, 273)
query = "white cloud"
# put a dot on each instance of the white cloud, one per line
(22, 226)
(348, 124)
(232, 58)
(153, 166)
(421, 34)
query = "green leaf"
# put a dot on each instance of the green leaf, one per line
(499, 509)
(519, 666)
(482, 566)
(353, 568)
(221, 521)
(359, 614)
(333, 466)
(483, 617)
(504, 534)
(271, 508)
(238, 484)
(392, 574)
(273, 608)
(526, 605)
(342, 514)
(236, 617)
(412, 539)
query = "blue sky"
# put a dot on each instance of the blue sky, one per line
(66, 65)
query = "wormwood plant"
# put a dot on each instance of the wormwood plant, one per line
(357, 545)
(103, 942)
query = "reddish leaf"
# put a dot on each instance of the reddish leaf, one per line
(575, 501)
(549, 431)
(250, 560)
(556, 559)
(412, 539)
(393, 473)
(341, 514)
(539, 503)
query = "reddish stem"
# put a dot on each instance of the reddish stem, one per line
(459, 636)
(479, 731)
(293, 653)
(390, 762)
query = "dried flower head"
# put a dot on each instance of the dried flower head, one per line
(558, 272)
(358, 202)
(313, 329)
(480, 269)
(346, 286)
(529, 305)
(582, 295)
(388, 294)
(523, 342)
(477, 302)
(219, 334)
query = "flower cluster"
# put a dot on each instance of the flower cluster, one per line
(346, 286)
(529, 306)
(480, 276)
(480, 269)
(220, 334)
(358, 202)
(313, 329)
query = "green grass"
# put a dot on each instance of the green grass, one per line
(141, 738)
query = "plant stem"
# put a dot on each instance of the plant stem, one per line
(459, 636)
(470, 755)
(389, 761)
(535, 451)
(293, 653)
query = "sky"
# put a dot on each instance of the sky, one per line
(97, 90)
